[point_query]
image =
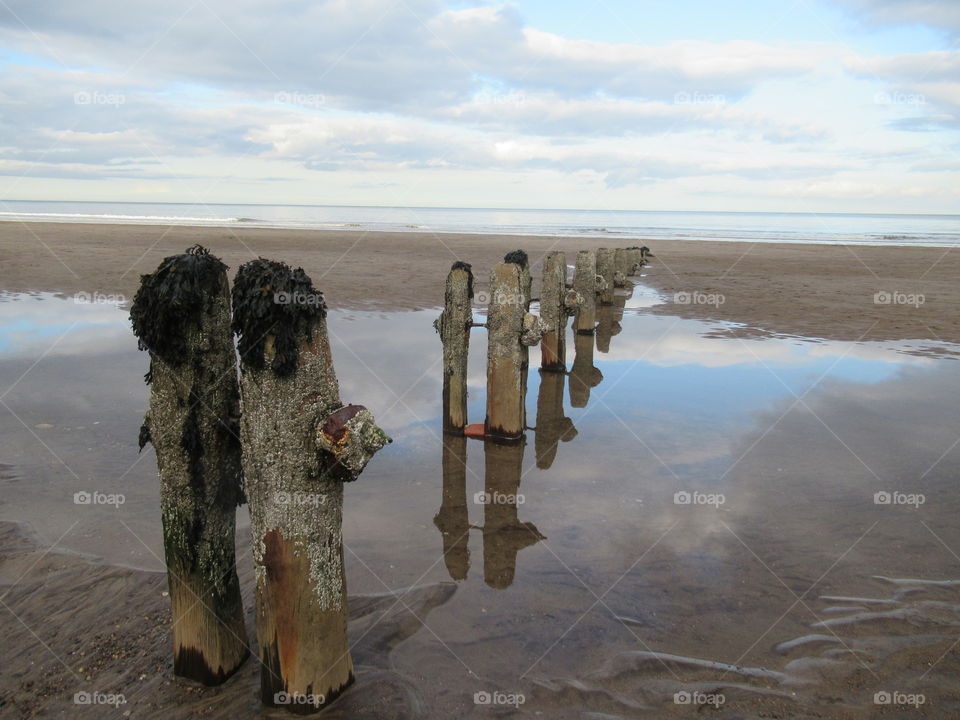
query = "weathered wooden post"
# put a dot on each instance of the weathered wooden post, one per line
(553, 293)
(585, 284)
(622, 267)
(510, 331)
(605, 270)
(552, 426)
(583, 374)
(454, 327)
(453, 520)
(503, 534)
(300, 444)
(181, 315)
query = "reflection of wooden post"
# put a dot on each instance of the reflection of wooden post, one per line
(585, 283)
(609, 321)
(454, 328)
(552, 425)
(452, 520)
(605, 270)
(503, 534)
(300, 444)
(510, 330)
(181, 314)
(583, 375)
(553, 291)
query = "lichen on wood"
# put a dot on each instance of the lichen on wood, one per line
(554, 312)
(454, 325)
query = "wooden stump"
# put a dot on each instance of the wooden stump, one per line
(510, 330)
(605, 270)
(553, 292)
(622, 266)
(583, 374)
(181, 315)
(454, 328)
(453, 520)
(585, 284)
(503, 534)
(552, 426)
(300, 444)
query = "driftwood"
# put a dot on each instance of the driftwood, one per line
(181, 315)
(300, 444)
(454, 328)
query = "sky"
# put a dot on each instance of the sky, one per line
(740, 105)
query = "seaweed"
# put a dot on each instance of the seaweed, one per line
(144, 436)
(460, 265)
(170, 299)
(271, 299)
(518, 257)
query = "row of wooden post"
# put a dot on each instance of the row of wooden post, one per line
(512, 329)
(289, 450)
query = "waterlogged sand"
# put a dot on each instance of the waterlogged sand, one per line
(843, 599)
(811, 290)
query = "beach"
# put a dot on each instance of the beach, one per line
(788, 385)
(819, 291)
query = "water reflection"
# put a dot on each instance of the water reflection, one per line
(679, 408)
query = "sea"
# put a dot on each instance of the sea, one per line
(825, 228)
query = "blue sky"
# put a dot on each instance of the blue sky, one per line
(803, 105)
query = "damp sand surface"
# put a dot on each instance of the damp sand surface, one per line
(758, 523)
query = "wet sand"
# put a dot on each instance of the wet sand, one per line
(837, 634)
(819, 291)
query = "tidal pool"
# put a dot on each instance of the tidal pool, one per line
(763, 520)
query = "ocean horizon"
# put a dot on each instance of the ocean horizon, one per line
(928, 230)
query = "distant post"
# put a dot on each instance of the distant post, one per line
(585, 284)
(605, 269)
(181, 315)
(621, 267)
(300, 444)
(454, 328)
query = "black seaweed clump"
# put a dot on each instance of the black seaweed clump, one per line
(460, 265)
(171, 298)
(144, 436)
(271, 299)
(518, 257)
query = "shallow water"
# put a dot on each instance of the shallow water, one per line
(710, 498)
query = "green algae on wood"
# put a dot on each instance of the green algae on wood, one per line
(181, 315)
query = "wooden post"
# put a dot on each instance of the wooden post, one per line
(552, 425)
(300, 444)
(454, 328)
(181, 315)
(585, 284)
(510, 331)
(605, 270)
(583, 374)
(636, 260)
(622, 267)
(503, 534)
(553, 292)
(453, 520)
